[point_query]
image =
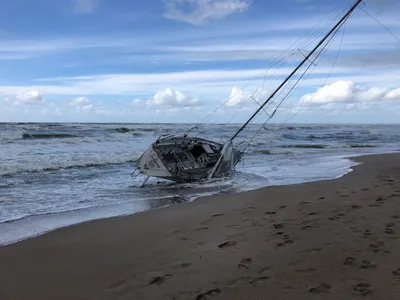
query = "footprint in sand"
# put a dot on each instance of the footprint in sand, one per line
(270, 212)
(266, 269)
(202, 228)
(232, 225)
(227, 244)
(377, 246)
(245, 263)
(396, 274)
(259, 280)
(320, 289)
(313, 213)
(313, 250)
(367, 233)
(284, 243)
(278, 226)
(183, 265)
(356, 206)
(362, 289)
(306, 227)
(366, 264)
(335, 218)
(306, 271)
(389, 230)
(160, 279)
(350, 261)
(217, 215)
(238, 281)
(209, 294)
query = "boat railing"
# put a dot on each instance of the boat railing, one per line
(135, 173)
(242, 146)
(164, 136)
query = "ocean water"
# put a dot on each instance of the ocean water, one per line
(55, 175)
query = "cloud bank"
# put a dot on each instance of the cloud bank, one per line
(199, 12)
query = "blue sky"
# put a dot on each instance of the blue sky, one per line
(178, 60)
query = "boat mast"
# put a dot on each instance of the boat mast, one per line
(306, 58)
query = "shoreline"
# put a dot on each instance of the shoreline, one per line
(335, 239)
(63, 218)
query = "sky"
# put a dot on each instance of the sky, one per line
(196, 61)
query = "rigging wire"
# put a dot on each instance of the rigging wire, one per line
(380, 23)
(315, 94)
(324, 49)
(298, 67)
(326, 79)
(290, 54)
(286, 54)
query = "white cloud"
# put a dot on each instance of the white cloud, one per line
(174, 98)
(30, 97)
(393, 94)
(85, 6)
(82, 104)
(87, 108)
(237, 97)
(348, 92)
(80, 101)
(198, 12)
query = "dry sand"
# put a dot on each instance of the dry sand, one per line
(336, 239)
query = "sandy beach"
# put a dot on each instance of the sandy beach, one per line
(336, 239)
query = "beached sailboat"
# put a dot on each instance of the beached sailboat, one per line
(189, 158)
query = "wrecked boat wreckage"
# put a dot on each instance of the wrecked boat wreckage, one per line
(190, 158)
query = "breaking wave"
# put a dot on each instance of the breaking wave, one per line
(274, 152)
(306, 146)
(48, 165)
(47, 135)
(123, 130)
(362, 146)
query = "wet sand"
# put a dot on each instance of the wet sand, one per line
(336, 239)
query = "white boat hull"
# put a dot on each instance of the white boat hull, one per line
(187, 159)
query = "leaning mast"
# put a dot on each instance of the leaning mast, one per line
(306, 58)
